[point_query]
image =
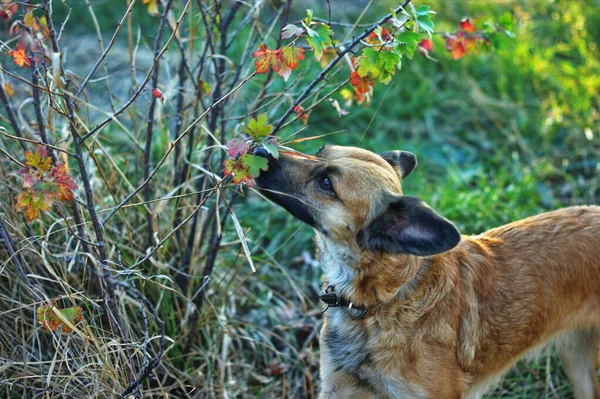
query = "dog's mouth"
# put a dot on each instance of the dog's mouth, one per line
(290, 202)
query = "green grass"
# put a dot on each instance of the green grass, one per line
(499, 136)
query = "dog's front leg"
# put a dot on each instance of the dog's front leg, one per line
(338, 384)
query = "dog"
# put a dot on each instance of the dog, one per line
(417, 310)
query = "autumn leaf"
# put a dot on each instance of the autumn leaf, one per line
(7, 10)
(38, 159)
(301, 113)
(156, 93)
(204, 87)
(33, 203)
(64, 182)
(258, 127)
(152, 6)
(456, 47)
(29, 19)
(8, 89)
(379, 36)
(319, 38)
(19, 56)
(254, 164)
(237, 147)
(239, 171)
(290, 56)
(266, 59)
(362, 83)
(426, 45)
(51, 321)
(466, 25)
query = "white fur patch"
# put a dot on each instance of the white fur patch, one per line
(337, 263)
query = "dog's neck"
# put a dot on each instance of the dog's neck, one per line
(369, 279)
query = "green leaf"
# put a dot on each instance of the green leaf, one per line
(254, 164)
(388, 60)
(271, 148)
(506, 21)
(309, 16)
(319, 38)
(426, 24)
(423, 11)
(258, 127)
(367, 62)
(407, 43)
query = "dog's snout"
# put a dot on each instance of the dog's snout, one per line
(261, 152)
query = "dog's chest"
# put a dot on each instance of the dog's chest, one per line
(348, 345)
(346, 341)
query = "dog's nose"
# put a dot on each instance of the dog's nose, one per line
(261, 152)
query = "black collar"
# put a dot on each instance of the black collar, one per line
(333, 300)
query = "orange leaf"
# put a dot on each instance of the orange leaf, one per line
(362, 84)
(8, 89)
(64, 182)
(19, 56)
(38, 159)
(266, 59)
(32, 203)
(290, 56)
(51, 321)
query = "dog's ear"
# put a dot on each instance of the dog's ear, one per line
(409, 226)
(402, 161)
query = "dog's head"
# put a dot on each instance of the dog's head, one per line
(354, 197)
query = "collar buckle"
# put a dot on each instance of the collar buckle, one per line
(333, 300)
(330, 297)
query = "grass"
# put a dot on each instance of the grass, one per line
(499, 136)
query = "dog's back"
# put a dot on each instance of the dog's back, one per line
(536, 279)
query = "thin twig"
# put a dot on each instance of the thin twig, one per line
(150, 120)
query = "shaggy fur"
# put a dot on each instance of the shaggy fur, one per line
(447, 315)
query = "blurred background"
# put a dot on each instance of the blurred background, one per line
(499, 136)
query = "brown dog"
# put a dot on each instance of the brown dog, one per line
(419, 311)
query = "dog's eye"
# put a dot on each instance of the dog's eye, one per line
(325, 183)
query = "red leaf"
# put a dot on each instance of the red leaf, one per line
(237, 147)
(302, 115)
(466, 25)
(156, 93)
(362, 84)
(266, 59)
(64, 181)
(426, 44)
(456, 46)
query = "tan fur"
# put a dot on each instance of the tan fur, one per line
(447, 325)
